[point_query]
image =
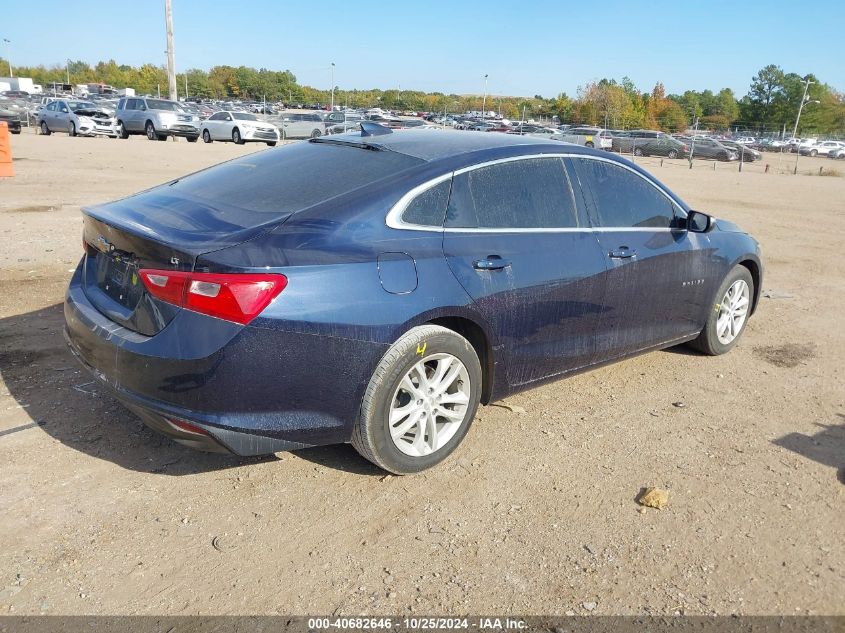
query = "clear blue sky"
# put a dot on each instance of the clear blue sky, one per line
(527, 48)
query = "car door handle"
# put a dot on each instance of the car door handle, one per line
(491, 262)
(623, 252)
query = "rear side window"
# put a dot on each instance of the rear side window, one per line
(429, 208)
(522, 194)
(622, 199)
(290, 179)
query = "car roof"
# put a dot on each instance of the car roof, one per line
(432, 145)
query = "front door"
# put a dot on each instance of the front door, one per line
(521, 248)
(656, 269)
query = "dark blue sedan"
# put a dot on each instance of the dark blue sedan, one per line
(375, 287)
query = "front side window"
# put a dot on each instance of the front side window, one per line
(429, 207)
(522, 194)
(621, 198)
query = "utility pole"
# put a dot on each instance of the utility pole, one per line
(332, 110)
(804, 100)
(67, 71)
(8, 44)
(186, 86)
(171, 59)
(484, 100)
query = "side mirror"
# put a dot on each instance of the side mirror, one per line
(698, 222)
(143, 107)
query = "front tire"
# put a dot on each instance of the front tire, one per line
(71, 128)
(638, 151)
(192, 139)
(271, 143)
(420, 402)
(44, 129)
(121, 130)
(316, 134)
(672, 154)
(150, 129)
(236, 137)
(206, 136)
(729, 314)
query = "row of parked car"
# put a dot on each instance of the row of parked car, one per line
(159, 119)
(240, 122)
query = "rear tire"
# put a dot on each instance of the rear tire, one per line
(709, 341)
(271, 143)
(316, 134)
(589, 144)
(392, 389)
(672, 154)
(192, 139)
(638, 151)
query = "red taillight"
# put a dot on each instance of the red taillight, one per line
(231, 296)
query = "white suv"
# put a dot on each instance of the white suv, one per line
(822, 148)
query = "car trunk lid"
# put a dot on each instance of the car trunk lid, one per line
(156, 230)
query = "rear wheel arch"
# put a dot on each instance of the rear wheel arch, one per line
(478, 338)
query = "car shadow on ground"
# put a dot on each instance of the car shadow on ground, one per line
(826, 447)
(60, 398)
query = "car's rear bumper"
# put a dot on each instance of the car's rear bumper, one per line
(253, 390)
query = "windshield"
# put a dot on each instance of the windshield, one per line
(244, 116)
(161, 104)
(80, 105)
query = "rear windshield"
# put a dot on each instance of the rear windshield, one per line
(292, 178)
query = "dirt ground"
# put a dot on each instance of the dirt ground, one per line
(534, 514)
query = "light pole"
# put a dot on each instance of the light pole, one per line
(484, 100)
(8, 44)
(67, 71)
(332, 87)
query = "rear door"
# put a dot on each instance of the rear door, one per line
(521, 248)
(657, 272)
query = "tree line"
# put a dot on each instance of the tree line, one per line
(770, 106)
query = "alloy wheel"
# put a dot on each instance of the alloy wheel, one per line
(429, 405)
(732, 312)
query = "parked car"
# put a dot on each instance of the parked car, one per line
(157, 118)
(238, 127)
(837, 153)
(745, 140)
(589, 137)
(708, 148)
(12, 119)
(820, 148)
(81, 118)
(299, 124)
(259, 306)
(648, 143)
(743, 152)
